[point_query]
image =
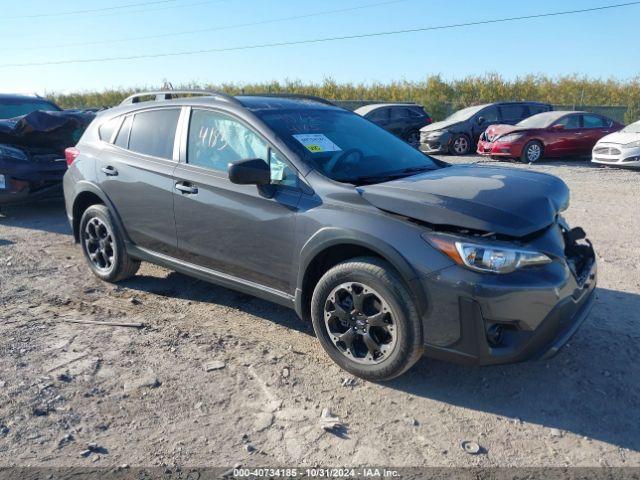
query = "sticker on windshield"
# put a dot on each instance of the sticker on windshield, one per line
(317, 143)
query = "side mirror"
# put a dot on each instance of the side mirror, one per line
(481, 120)
(557, 128)
(253, 171)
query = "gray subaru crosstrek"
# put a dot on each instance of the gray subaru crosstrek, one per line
(389, 252)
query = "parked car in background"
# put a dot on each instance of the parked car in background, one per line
(388, 252)
(460, 132)
(404, 120)
(33, 136)
(12, 106)
(550, 134)
(619, 149)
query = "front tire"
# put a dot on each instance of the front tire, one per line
(103, 246)
(460, 145)
(532, 152)
(366, 319)
(413, 138)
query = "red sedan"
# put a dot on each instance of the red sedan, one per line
(548, 134)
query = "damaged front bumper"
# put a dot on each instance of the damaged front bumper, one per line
(537, 310)
(435, 142)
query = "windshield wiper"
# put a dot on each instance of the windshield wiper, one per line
(387, 176)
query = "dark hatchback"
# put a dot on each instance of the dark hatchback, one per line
(390, 253)
(404, 120)
(459, 133)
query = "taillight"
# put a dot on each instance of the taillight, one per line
(71, 154)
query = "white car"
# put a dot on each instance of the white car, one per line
(621, 149)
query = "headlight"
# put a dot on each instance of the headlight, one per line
(632, 145)
(13, 154)
(486, 257)
(512, 137)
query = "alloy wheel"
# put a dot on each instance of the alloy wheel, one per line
(534, 152)
(99, 244)
(461, 145)
(360, 323)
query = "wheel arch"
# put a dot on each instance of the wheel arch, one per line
(90, 194)
(331, 246)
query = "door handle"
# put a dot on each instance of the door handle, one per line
(188, 189)
(109, 171)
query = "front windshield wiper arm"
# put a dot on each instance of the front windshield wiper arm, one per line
(385, 177)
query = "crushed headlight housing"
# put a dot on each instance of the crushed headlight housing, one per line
(511, 137)
(487, 257)
(13, 154)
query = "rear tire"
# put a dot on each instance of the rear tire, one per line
(103, 246)
(532, 152)
(366, 319)
(460, 145)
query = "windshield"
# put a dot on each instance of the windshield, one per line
(633, 128)
(464, 114)
(344, 146)
(541, 120)
(10, 107)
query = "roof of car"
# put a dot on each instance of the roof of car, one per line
(374, 106)
(267, 102)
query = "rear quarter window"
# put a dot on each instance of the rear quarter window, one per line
(107, 129)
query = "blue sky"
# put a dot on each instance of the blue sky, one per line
(595, 44)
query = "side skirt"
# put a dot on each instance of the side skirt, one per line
(212, 276)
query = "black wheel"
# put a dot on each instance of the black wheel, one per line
(413, 138)
(460, 145)
(103, 246)
(366, 320)
(532, 152)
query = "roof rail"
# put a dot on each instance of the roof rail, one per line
(165, 95)
(291, 95)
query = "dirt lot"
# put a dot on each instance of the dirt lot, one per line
(143, 396)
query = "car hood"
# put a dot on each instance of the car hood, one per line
(495, 131)
(620, 138)
(443, 125)
(504, 201)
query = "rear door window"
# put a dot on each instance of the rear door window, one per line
(400, 113)
(153, 133)
(570, 122)
(536, 109)
(594, 121)
(379, 115)
(513, 113)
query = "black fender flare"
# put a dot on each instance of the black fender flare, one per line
(331, 236)
(85, 186)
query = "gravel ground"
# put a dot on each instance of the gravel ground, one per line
(218, 378)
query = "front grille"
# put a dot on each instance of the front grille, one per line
(606, 151)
